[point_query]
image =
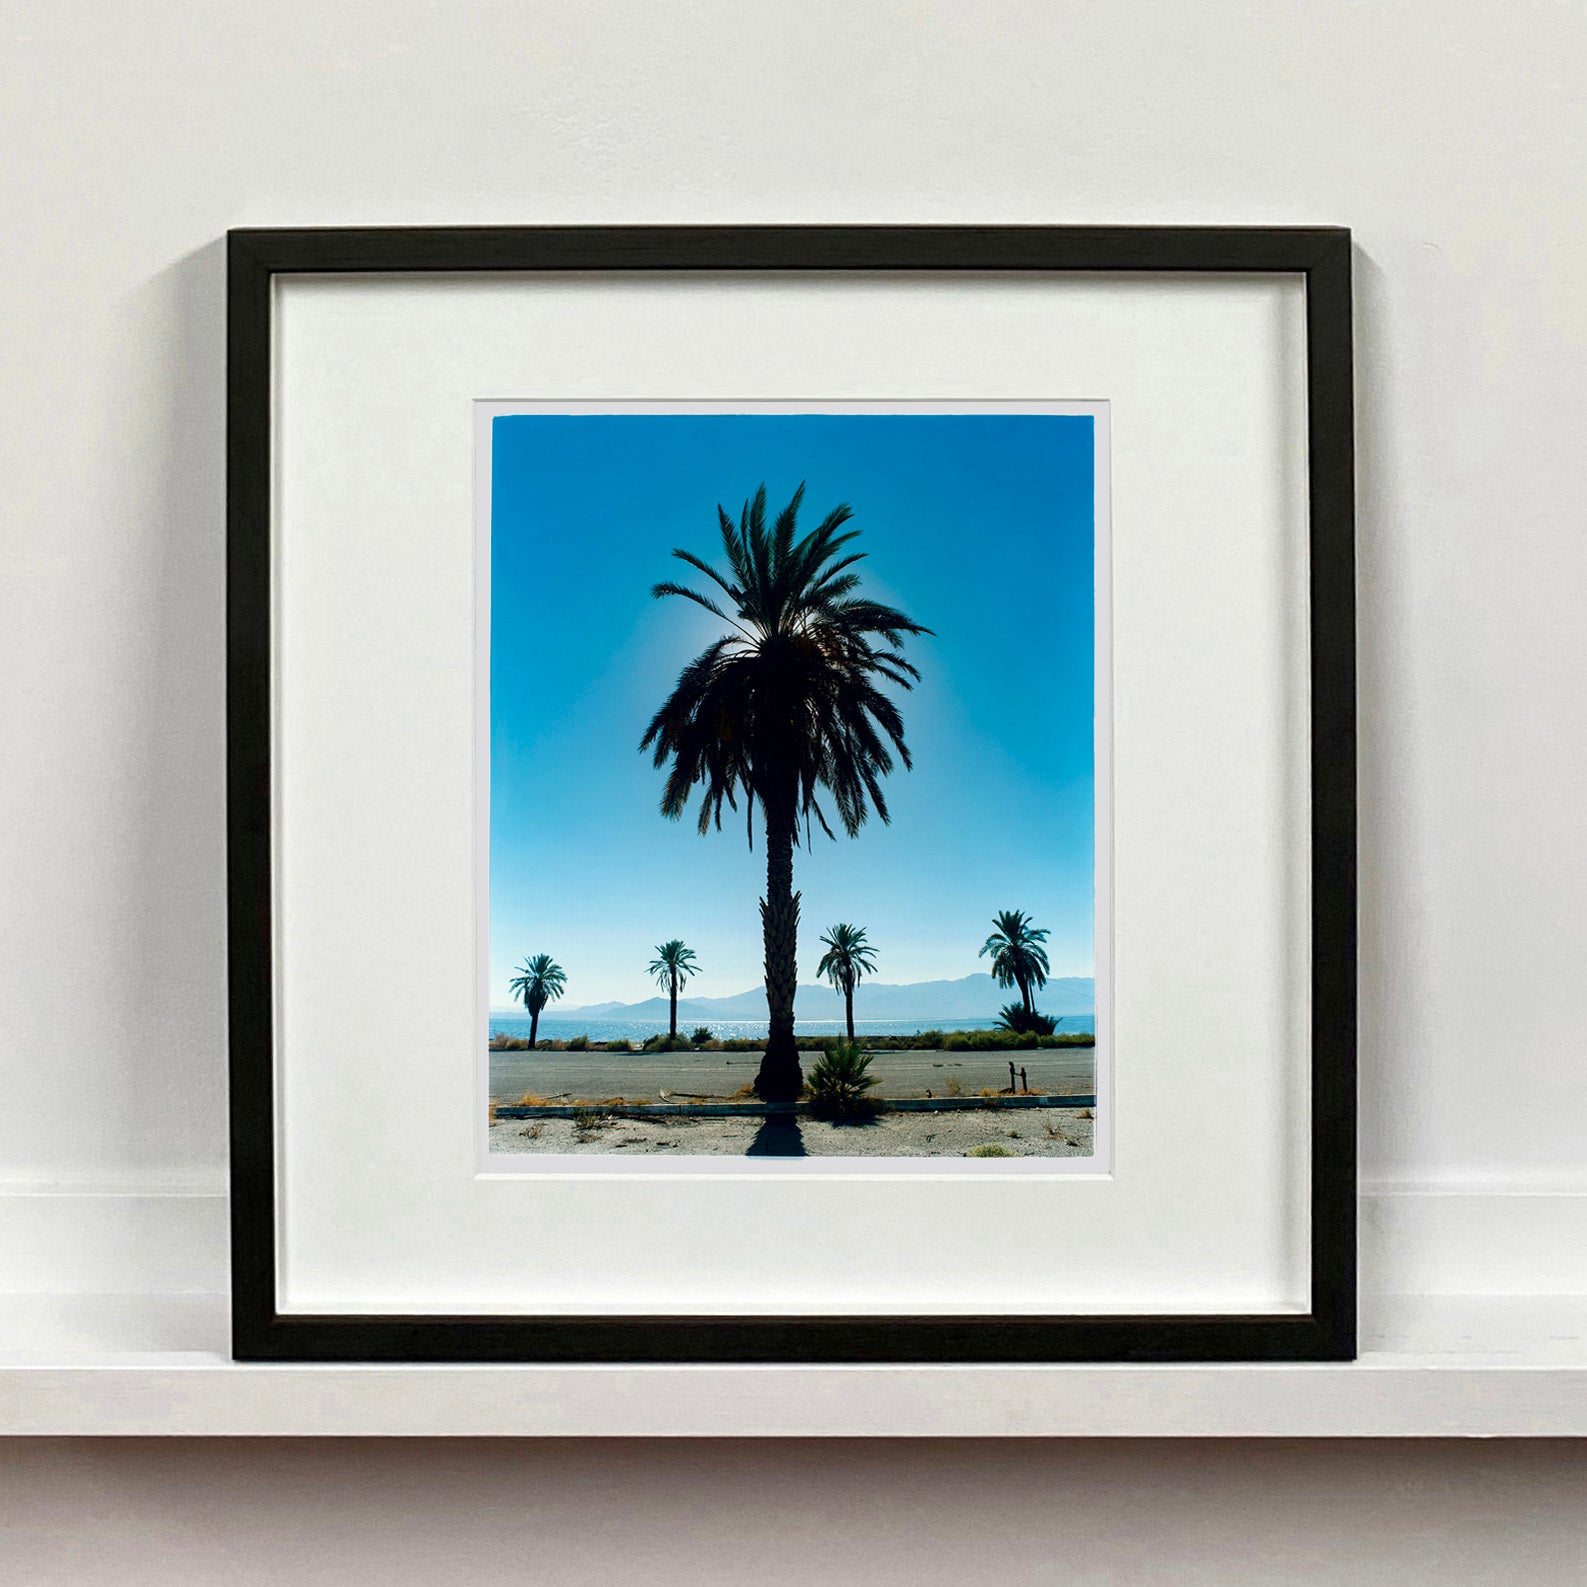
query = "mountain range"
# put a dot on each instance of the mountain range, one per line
(971, 997)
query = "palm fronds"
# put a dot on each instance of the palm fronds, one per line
(1018, 957)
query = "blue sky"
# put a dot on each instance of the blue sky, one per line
(977, 525)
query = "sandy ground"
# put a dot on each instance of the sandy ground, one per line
(1044, 1132)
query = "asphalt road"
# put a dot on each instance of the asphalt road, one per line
(720, 1074)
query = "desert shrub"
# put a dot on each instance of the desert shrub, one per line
(1016, 1017)
(990, 1149)
(838, 1082)
(619, 1045)
(742, 1044)
(993, 1040)
(579, 1044)
(702, 1034)
(653, 1043)
(982, 1041)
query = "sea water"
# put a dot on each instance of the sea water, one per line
(750, 1029)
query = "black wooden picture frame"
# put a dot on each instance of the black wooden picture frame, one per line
(1322, 257)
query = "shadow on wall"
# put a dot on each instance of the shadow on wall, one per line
(163, 972)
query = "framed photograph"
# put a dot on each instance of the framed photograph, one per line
(791, 794)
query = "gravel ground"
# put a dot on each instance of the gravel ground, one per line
(1045, 1132)
(717, 1074)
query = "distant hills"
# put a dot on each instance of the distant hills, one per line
(970, 997)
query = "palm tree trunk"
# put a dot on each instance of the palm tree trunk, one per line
(780, 1079)
(672, 1022)
(534, 1028)
(1024, 992)
(848, 1006)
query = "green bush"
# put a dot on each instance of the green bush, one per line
(994, 1040)
(619, 1046)
(1016, 1017)
(982, 1041)
(991, 1149)
(660, 1043)
(579, 1044)
(702, 1034)
(838, 1082)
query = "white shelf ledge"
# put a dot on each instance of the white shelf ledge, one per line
(1431, 1367)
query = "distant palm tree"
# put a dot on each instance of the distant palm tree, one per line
(1018, 957)
(672, 966)
(538, 982)
(848, 957)
(787, 703)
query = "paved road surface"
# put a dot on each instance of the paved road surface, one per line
(720, 1074)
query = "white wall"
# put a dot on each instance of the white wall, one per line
(1452, 138)
(134, 136)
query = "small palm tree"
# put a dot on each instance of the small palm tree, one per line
(539, 981)
(1018, 957)
(838, 1084)
(672, 966)
(848, 958)
(789, 702)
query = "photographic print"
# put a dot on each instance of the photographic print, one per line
(793, 802)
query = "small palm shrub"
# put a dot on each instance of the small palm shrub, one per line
(702, 1034)
(1016, 1017)
(838, 1083)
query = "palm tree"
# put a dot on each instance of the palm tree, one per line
(848, 957)
(1018, 957)
(672, 965)
(539, 981)
(788, 703)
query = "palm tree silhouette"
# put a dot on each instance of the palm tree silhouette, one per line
(786, 704)
(1018, 957)
(848, 957)
(672, 966)
(539, 981)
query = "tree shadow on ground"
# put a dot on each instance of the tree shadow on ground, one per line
(778, 1137)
